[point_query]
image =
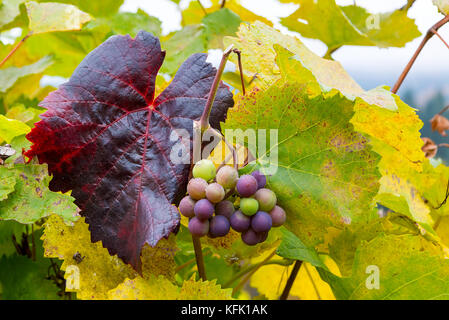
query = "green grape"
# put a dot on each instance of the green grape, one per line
(249, 206)
(204, 169)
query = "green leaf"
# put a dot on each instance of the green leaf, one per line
(7, 182)
(131, 23)
(180, 45)
(326, 172)
(8, 229)
(407, 270)
(24, 114)
(103, 8)
(351, 25)
(292, 247)
(21, 278)
(50, 17)
(31, 199)
(9, 76)
(10, 128)
(218, 24)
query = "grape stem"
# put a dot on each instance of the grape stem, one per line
(250, 274)
(204, 120)
(202, 7)
(235, 159)
(239, 58)
(199, 257)
(291, 280)
(280, 262)
(16, 47)
(430, 33)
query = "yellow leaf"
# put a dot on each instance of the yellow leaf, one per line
(50, 17)
(100, 272)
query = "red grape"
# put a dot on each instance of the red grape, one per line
(215, 192)
(219, 226)
(225, 208)
(227, 176)
(261, 179)
(204, 209)
(197, 188)
(278, 216)
(198, 228)
(186, 207)
(239, 221)
(250, 237)
(261, 222)
(246, 185)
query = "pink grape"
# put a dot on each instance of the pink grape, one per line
(196, 188)
(215, 192)
(219, 226)
(227, 176)
(186, 207)
(266, 198)
(278, 216)
(250, 237)
(261, 179)
(246, 185)
(225, 208)
(261, 222)
(239, 221)
(204, 209)
(198, 228)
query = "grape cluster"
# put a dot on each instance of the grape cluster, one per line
(250, 209)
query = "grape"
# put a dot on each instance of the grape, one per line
(198, 228)
(261, 179)
(186, 207)
(225, 208)
(263, 236)
(215, 192)
(219, 226)
(246, 185)
(197, 188)
(249, 206)
(261, 222)
(250, 237)
(204, 209)
(267, 199)
(227, 176)
(239, 222)
(204, 169)
(278, 216)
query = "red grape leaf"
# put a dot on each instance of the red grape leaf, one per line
(105, 137)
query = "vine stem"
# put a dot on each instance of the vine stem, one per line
(16, 47)
(430, 33)
(199, 257)
(250, 274)
(204, 120)
(239, 57)
(202, 7)
(291, 280)
(443, 110)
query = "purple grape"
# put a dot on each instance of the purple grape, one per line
(263, 236)
(246, 185)
(215, 192)
(227, 176)
(266, 198)
(196, 188)
(250, 237)
(278, 216)
(239, 221)
(204, 209)
(225, 208)
(261, 179)
(261, 222)
(198, 228)
(219, 226)
(186, 207)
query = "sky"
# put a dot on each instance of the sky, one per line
(370, 66)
